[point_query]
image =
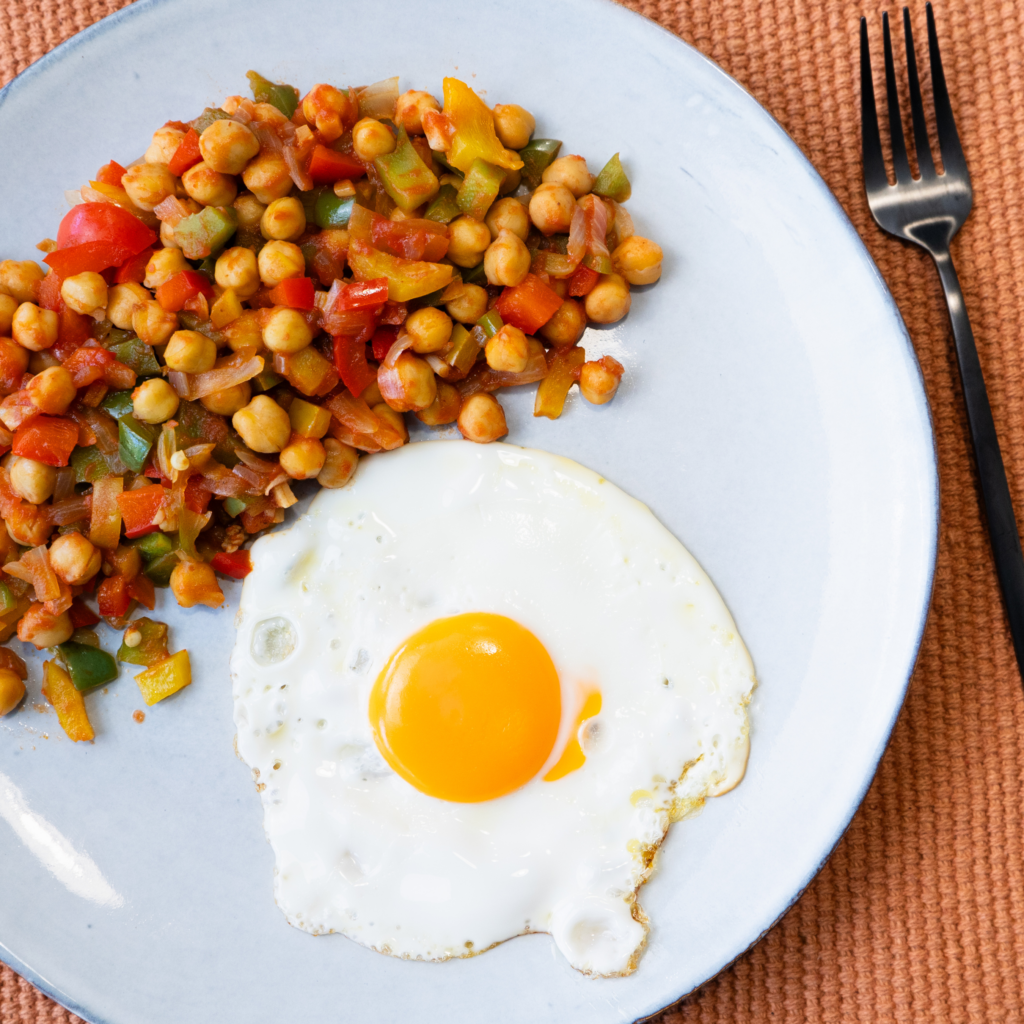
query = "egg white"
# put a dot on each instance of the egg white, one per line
(441, 528)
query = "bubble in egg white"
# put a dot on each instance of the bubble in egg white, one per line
(272, 640)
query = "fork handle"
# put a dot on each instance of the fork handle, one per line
(1002, 525)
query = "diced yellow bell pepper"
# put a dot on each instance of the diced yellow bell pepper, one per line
(165, 677)
(563, 369)
(227, 308)
(307, 419)
(407, 279)
(67, 702)
(105, 524)
(9, 620)
(475, 137)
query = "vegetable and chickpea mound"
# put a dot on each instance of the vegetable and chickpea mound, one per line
(262, 297)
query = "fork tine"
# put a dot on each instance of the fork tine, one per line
(899, 147)
(924, 154)
(949, 141)
(874, 163)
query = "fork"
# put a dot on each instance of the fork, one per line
(929, 211)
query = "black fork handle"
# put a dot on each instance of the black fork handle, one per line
(1002, 525)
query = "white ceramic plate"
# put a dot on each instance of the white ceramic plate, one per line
(772, 417)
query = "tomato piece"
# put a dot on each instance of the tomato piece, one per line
(350, 362)
(86, 365)
(81, 615)
(49, 292)
(111, 174)
(582, 281)
(173, 294)
(383, 339)
(197, 495)
(48, 439)
(236, 564)
(104, 222)
(97, 255)
(139, 509)
(411, 239)
(326, 166)
(186, 155)
(529, 305)
(119, 376)
(394, 313)
(296, 292)
(361, 294)
(142, 590)
(113, 597)
(134, 269)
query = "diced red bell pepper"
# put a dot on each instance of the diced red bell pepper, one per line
(48, 439)
(383, 339)
(236, 564)
(98, 255)
(197, 495)
(49, 292)
(104, 222)
(81, 615)
(142, 590)
(361, 294)
(113, 597)
(86, 365)
(186, 155)
(139, 509)
(529, 305)
(409, 239)
(296, 292)
(73, 331)
(134, 268)
(173, 294)
(111, 174)
(350, 362)
(582, 281)
(326, 166)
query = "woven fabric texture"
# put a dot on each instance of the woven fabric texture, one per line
(919, 914)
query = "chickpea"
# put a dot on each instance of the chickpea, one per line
(507, 260)
(74, 558)
(190, 352)
(329, 110)
(249, 208)
(12, 691)
(14, 359)
(227, 146)
(162, 266)
(371, 139)
(165, 144)
(267, 177)
(303, 457)
(469, 239)
(153, 324)
(28, 527)
(339, 463)
(195, 583)
(279, 261)
(167, 239)
(34, 328)
(236, 269)
(85, 292)
(599, 380)
(268, 114)
(371, 394)
(551, 208)
(52, 391)
(263, 425)
(570, 171)
(154, 401)
(507, 351)
(148, 185)
(286, 331)
(469, 306)
(33, 481)
(43, 629)
(284, 219)
(513, 125)
(638, 260)
(8, 304)
(20, 279)
(445, 407)
(122, 302)
(566, 327)
(430, 329)
(209, 187)
(508, 215)
(393, 418)
(482, 419)
(609, 299)
(228, 401)
(416, 385)
(411, 107)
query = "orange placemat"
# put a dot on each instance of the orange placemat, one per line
(919, 914)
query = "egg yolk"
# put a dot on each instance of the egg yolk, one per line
(468, 708)
(573, 756)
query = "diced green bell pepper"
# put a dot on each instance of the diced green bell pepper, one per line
(491, 323)
(444, 207)
(201, 234)
(264, 91)
(480, 188)
(138, 355)
(475, 275)
(88, 666)
(160, 569)
(89, 465)
(433, 299)
(599, 264)
(465, 347)
(7, 602)
(153, 545)
(331, 211)
(208, 268)
(117, 403)
(135, 440)
(84, 635)
(612, 182)
(266, 379)
(234, 506)
(150, 649)
(207, 117)
(536, 157)
(406, 178)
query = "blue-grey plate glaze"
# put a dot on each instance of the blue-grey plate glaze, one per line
(772, 416)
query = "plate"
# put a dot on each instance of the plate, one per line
(772, 416)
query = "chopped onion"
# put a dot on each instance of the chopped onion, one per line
(577, 246)
(65, 483)
(222, 482)
(296, 171)
(379, 100)
(171, 210)
(34, 568)
(69, 510)
(73, 197)
(197, 385)
(166, 446)
(400, 344)
(283, 495)
(485, 379)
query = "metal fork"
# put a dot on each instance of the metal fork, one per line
(929, 211)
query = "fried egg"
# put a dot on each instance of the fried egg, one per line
(475, 687)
